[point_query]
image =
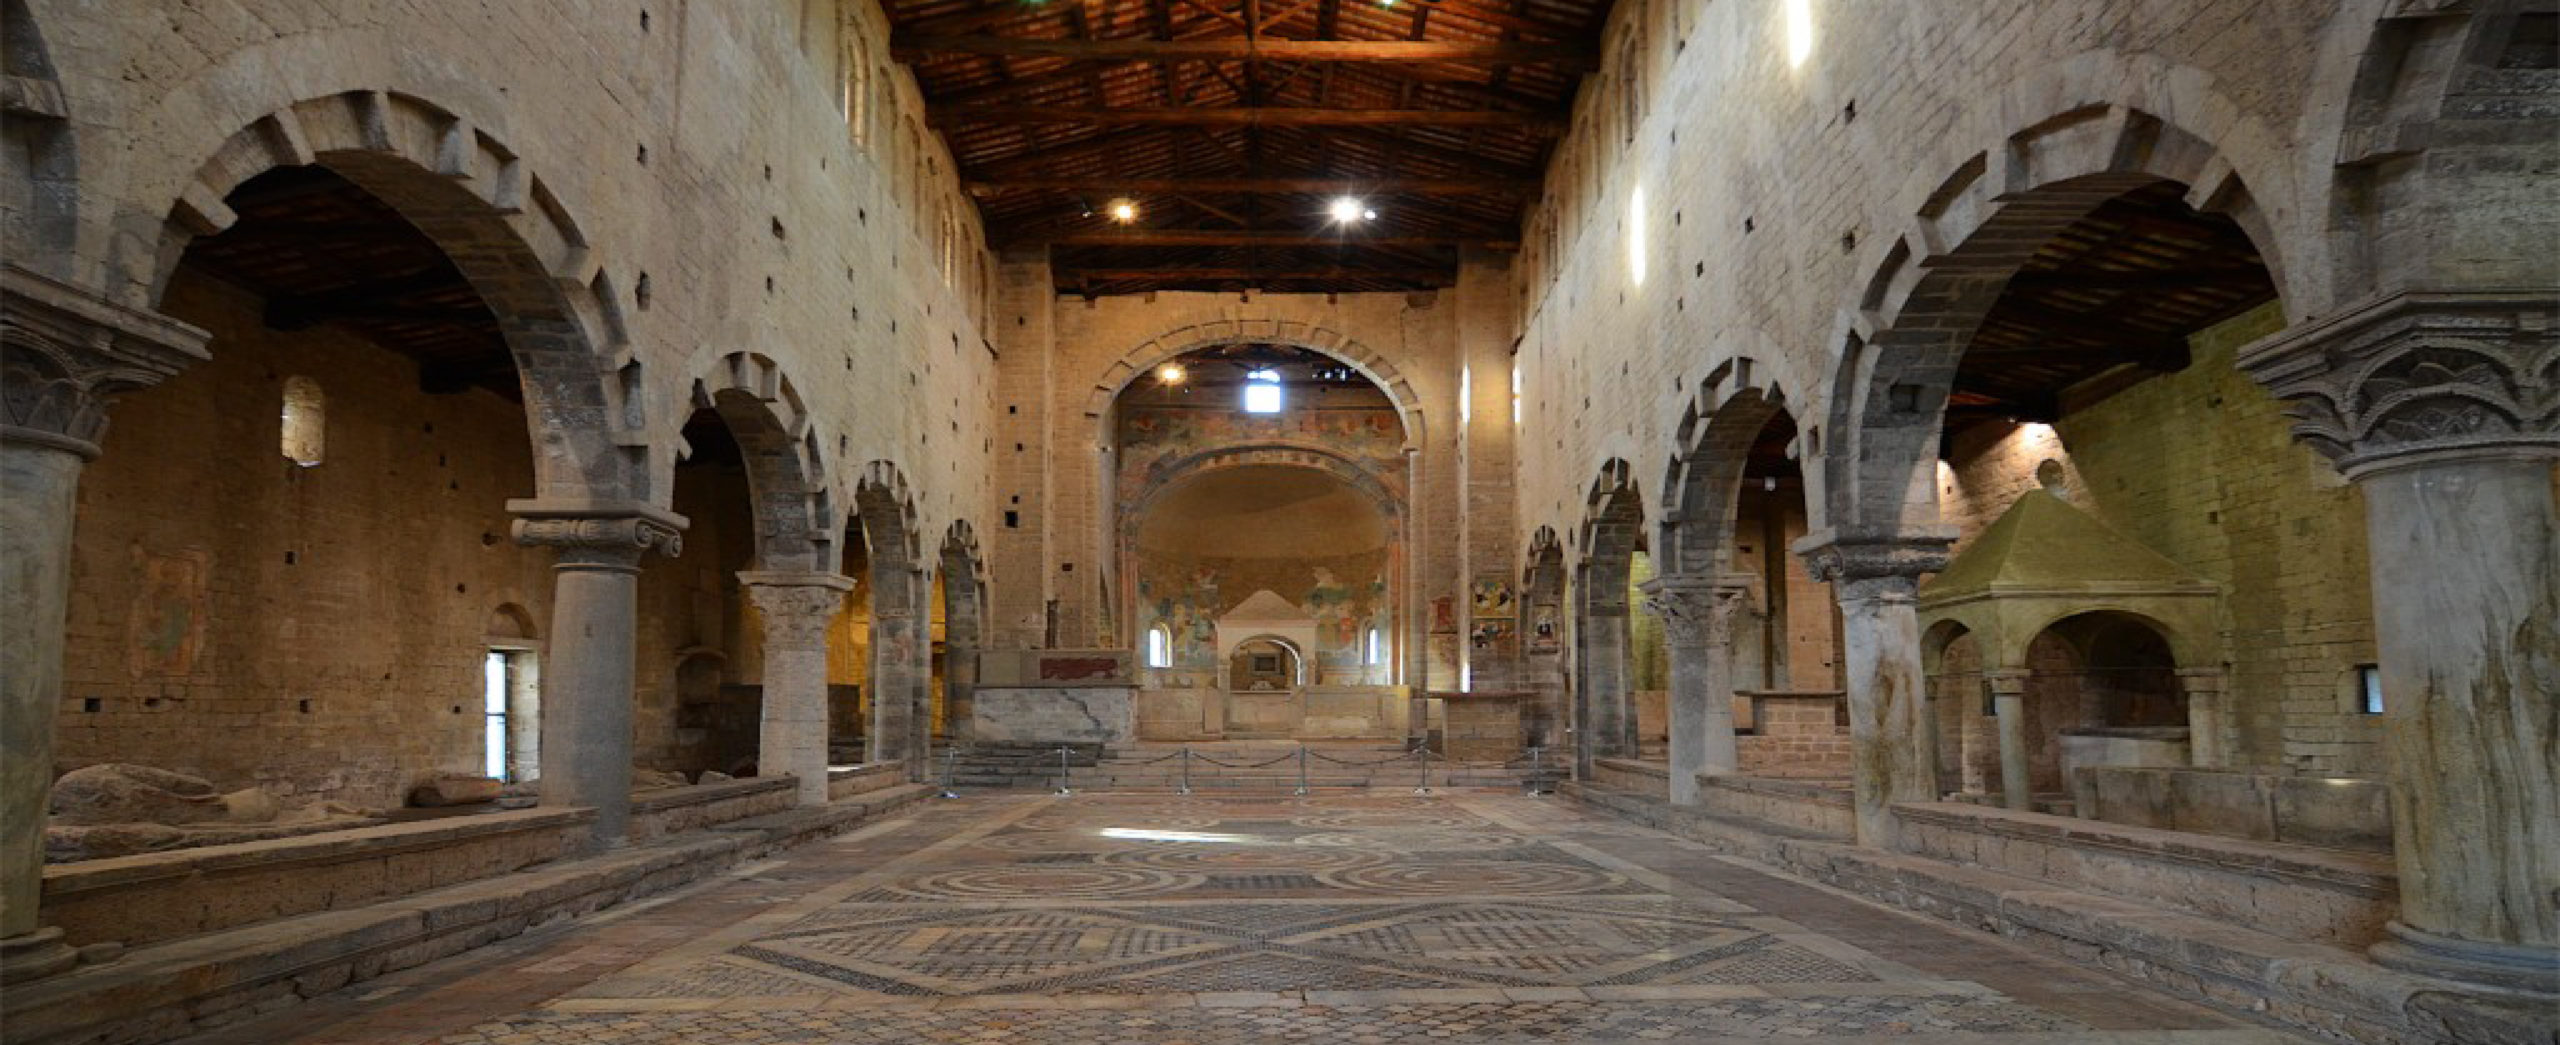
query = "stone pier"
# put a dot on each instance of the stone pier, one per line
(792, 734)
(587, 683)
(1697, 617)
(2445, 409)
(1892, 744)
(64, 353)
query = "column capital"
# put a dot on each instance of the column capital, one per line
(1890, 562)
(796, 606)
(598, 534)
(1696, 611)
(2413, 376)
(2008, 682)
(65, 353)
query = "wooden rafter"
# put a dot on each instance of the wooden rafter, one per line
(1505, 187)
(1257, 116)
(1566, 56)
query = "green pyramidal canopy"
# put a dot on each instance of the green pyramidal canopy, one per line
(2044, 545)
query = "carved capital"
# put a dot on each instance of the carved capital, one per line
(2421, 375)
(796, 607)
(598, 534)
(1886, 560)
(65, 353)
(1696, 612)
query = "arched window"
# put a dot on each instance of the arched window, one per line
(1159, 647)
(303, 425)
(1377, 645)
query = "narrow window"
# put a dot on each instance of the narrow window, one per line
(1262, 392)
(494, 683)
(2368, 689)
(303, 425)
(1159, 647)
(1377, 645)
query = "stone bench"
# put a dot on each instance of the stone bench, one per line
(150, 897)
(2295, 892)
(181, 986)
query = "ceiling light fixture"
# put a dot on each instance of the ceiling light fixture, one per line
(1348, 210)
(1170, 374)
(1124, 211)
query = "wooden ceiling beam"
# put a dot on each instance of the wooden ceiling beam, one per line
(1507, 187)
(946, 115)
(909, 48)
(1195, 273)
(1254, 238)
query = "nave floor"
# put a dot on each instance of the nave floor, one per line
(1371, 919)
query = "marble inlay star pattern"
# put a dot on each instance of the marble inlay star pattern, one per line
(1248, 920)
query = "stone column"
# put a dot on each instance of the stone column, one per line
(2445, 409)
(900, 643)
(2203, 689)
(64, 354)
(2009, 701)
(1877, 578)
(587, 683)
(796, 609)
(1697, 623)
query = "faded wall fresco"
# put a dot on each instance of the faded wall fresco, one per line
(1346, 594)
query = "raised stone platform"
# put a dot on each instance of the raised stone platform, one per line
(2325, 988)
(167, 989)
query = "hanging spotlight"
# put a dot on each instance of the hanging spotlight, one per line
(1124, 210)
(1170, 374)
(1349, 209)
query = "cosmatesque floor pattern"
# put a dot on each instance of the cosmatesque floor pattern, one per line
(1372, 919)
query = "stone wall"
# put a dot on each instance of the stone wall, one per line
(315, 630)
(1065, 360)
(662, 189)
(2198, 465)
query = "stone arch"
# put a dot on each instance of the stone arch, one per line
(42, 163)
(1147, 355)
(1612, 531)
(1712, 445)
(886, 509)
(1612, 527)
(1935, 282)
(795, 513)
(1380, 491)
(964, 608)
(501, 225)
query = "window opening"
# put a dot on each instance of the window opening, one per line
(302, 423)
(2368, 689)
(1262, 392)
(494, 678)
(1159, 647)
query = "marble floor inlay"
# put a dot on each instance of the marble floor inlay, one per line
(1378, 918)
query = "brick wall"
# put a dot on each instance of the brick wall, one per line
(2198, 466)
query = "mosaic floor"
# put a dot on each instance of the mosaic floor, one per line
(1371, 919)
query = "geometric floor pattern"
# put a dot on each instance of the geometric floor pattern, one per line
(1367, 918)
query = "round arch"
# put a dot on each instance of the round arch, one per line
(1147, 355)
(1386, 496)
(1712, 446)
(794, 511)
(502, 227)
(1935, 282)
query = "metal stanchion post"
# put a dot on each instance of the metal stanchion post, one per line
(1424, 749)
(1063, 789)
(1186, 769)
(950, 762)
(1537, 772)
(1302, 769)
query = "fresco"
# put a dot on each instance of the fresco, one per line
(1345, 594)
